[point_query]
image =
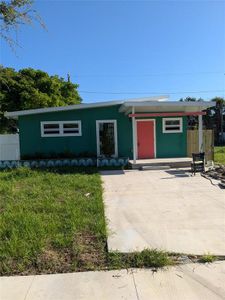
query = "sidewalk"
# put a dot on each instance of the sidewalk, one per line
(193, 281)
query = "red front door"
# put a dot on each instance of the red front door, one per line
(145, 139)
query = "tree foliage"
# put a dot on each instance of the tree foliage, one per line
(218, 114)
(29, 88)
(190, 99)
(13, 14)
(192, 120)
(214, 118)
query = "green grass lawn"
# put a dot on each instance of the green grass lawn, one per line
(50, 222)
(219, 155)
(53, 221)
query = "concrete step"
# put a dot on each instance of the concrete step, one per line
(162, 163)
(146, 168)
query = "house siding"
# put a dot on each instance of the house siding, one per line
(31, 142)
(171, 144)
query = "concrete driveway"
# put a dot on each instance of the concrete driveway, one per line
(164, 209)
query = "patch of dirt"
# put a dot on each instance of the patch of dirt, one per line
(90, 251)
(48, 262)
(86, 253)
(52, 261)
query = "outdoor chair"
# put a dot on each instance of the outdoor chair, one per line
(198, 162)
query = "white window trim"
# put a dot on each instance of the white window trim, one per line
(146, 120)
(98, 122)
(60, 123)
(172, 119)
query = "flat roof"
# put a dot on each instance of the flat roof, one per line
(158, 103)
(165, 106)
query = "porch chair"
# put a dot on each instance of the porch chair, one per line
(198, 162)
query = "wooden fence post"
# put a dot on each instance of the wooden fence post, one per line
(193, 143)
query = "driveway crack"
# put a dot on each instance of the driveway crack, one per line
(28, 290)
(136, 290)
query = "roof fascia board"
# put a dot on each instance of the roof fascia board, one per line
(168, 114)
(14, 114)
(170, 103)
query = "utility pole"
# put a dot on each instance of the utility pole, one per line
(222, 107)
(221, 122)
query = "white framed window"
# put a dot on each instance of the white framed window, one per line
(60, 128)
(172, 125)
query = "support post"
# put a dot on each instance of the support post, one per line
(134, 136)
(200, 134)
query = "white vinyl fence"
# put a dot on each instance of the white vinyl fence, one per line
(9, 147)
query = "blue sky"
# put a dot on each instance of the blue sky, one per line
(128, 48)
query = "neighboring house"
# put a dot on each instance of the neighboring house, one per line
(137, 128)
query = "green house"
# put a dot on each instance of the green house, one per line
(138, 129)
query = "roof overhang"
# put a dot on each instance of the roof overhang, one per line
(165, 106)
(16, 114)
(141, 105)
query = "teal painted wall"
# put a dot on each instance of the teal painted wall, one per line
(31, 142)
(171, 144)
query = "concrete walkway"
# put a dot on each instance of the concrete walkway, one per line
(164, 209)
(187, 282)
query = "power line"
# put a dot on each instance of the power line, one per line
(151, 93)
(150, 74)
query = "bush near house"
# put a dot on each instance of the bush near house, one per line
(219, 155)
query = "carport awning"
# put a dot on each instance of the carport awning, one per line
(168, 114)
(135, 109)
(184, 108)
